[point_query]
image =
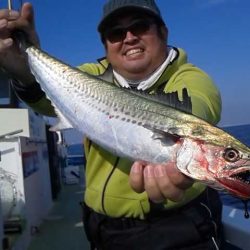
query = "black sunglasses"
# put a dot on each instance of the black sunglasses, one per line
(119, 32)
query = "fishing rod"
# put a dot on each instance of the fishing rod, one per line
(10, 4)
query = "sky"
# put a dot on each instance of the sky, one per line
(214, 33)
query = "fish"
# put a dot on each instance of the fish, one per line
(141, 126)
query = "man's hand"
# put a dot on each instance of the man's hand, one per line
(160, 181)
(11, 58)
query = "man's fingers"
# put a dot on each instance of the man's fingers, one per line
(3, 23)
(27, 13)
(9, 14)
(160, 181)
(164, 182)
(151, 185)
(136, 177)
(26, 23)
(5, 43)
(177, 178)
(26, 20)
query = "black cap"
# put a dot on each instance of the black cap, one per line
(113, 7)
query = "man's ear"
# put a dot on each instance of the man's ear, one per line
(164, 32)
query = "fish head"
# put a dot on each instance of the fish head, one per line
(234, 171)
(223, 167)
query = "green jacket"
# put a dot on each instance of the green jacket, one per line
(107, 186)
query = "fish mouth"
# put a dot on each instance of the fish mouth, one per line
(238, 182)
(242, 177)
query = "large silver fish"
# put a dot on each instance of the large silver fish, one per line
(141, 128)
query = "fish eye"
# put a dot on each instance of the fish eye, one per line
(231, 154)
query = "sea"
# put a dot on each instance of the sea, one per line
(241, 132)
(75, 155)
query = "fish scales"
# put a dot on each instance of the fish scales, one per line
(128, 106)
(137, 127)
(86, 88)
(89, 100)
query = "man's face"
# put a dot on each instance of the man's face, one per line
(134, 47)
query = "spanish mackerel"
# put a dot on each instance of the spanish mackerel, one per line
(141, 128)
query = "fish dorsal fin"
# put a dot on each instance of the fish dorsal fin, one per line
(62, 124)
(169, 99)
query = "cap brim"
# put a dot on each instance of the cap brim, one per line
(126, 9)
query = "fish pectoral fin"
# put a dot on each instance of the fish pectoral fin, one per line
(163, 135)
(62, 124)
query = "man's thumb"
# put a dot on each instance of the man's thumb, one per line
(27, 12)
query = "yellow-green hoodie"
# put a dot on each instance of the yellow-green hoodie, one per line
(107, 186)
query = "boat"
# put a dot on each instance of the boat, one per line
(236, 228)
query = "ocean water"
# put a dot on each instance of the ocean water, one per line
(75, 154)
(75, 149)
(241, 132)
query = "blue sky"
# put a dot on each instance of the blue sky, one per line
(214, 33)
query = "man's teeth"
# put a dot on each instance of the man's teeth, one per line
(134, 51)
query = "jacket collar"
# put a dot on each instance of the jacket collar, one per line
(172, 66)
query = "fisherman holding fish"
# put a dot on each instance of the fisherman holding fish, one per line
(132, 205)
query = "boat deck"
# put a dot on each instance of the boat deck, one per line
(62, 229)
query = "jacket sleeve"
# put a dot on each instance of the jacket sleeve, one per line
(205, 97)
(34, 97)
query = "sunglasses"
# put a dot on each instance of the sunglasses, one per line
(119, 32)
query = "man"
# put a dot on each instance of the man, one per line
(136, 205)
